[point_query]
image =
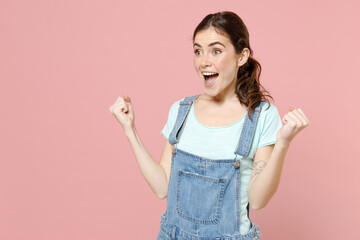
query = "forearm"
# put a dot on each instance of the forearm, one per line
(152, 171)
(267, 181)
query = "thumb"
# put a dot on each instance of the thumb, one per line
(128, 100)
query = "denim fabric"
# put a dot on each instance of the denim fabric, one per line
(203, 194)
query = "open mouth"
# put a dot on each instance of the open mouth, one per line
(210, 78)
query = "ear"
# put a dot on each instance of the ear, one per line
(243, 57)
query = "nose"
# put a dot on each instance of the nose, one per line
(205, 61)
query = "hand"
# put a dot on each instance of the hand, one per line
(293, 122)
(123, 111)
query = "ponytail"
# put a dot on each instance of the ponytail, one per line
(248, 88)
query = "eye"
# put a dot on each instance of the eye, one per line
(217, 50)
(197, 52)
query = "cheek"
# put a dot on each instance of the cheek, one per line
(225, 65)
(196, 63)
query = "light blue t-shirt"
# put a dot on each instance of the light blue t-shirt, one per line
(221, 142)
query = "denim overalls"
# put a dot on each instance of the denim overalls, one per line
(203, 194)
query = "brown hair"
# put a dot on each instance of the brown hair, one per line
(248, 88)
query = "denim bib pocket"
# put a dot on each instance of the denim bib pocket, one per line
(198, 197)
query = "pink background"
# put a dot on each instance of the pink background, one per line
(67, 170)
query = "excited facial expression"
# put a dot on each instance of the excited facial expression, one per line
(216, 62)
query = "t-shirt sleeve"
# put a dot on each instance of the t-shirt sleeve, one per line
(171, 119)
(270, 125)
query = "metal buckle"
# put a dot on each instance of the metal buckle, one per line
(236, 164)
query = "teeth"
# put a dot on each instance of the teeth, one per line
(209, 74)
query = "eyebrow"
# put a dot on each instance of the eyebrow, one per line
(211, 44)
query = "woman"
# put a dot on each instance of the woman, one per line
(225, 148)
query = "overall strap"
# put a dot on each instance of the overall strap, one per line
(184, 108)
(247, 132)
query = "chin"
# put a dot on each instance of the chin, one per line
(211, 92)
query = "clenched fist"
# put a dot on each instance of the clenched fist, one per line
(123, 111)
(293, 122)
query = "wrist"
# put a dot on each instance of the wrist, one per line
(282, 143)
(130, 131)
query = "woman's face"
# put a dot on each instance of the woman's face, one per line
(214, 53)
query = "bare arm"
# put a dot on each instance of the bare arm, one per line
(266, 173)
(269, 160)
(156, 174)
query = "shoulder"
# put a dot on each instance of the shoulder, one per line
(176, 104)
(268, 108)
(269, 112)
